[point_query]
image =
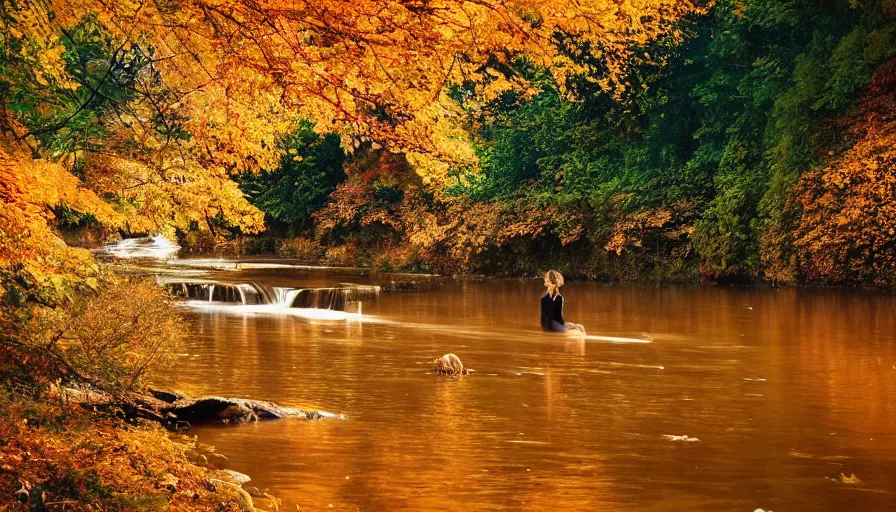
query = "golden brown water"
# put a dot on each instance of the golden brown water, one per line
(785, 390)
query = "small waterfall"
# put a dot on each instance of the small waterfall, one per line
(284, 296)
(347, 298)
(148, 247)
(324, 298)
(189, 291)
(216, 292)
(337, 299)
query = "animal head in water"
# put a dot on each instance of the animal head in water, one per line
(450, 365)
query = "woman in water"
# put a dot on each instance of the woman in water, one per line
(552, 306)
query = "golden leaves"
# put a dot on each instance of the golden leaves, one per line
(671, 222)
(40, 46)
(28, 189)
(848, 209)
(376, 65)
(226, 78)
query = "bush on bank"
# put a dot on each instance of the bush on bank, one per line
(55, 456)
(101, 333)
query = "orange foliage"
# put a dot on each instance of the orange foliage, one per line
(531, 219)
(369, 68)
(672, 223)
(847, 230)
(28, 187)
(355, 200)
(58, 458)
(425, 224)
(235, 75)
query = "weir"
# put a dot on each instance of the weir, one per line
(337, 299)
(346, 297)
(243, 293)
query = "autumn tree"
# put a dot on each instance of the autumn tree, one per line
(374, 69)
(847, 226)
(152, 106)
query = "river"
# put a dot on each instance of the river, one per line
(783, 396)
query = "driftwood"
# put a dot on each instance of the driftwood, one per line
(450, 365)
(177, 411)
(226, 410)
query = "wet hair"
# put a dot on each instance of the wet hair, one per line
(553, 280)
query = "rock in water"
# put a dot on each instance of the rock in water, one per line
(232, 477)
(177, 410)
(851, 479)
(450, 365)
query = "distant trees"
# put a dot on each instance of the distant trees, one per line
(732, 151)
(310, 167)
(846, 231)
(727, 126)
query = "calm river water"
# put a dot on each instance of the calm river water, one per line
(779, 392)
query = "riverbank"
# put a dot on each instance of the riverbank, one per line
(606, 268)
(83, 446)
(575, 262)
(78, 428)
(59, 456)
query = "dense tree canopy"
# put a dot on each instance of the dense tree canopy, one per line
(612, 139)
(149, 106)
(691, 168)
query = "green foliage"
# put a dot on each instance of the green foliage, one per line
(692, 164)
(736, 115)
(310, 169)
(68, 115)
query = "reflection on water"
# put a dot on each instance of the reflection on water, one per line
(784, 390)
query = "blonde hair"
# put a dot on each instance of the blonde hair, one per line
(553, 280)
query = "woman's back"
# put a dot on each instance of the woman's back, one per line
(552, 312)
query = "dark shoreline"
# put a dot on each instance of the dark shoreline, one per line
(370, 270)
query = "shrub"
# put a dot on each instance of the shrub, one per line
(848, 222)
(258, 245)
(198, 241)
(55, 457)
(300, 248)
(344, 255)
(107, 339)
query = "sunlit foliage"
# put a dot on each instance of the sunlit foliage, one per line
(847, 226)
(153, 106)
(106, 338)
(54, 456)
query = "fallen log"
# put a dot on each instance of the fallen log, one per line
(231, 410)
(177, 411)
